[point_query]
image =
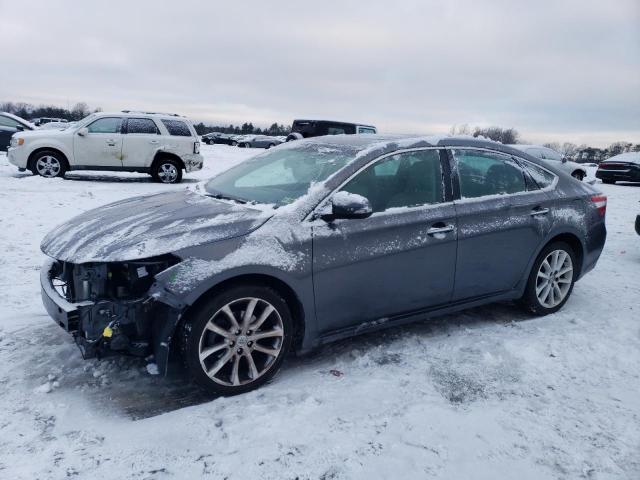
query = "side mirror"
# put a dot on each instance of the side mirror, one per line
(83, 131)
(564, 160)
(349, 205)
(20, 128)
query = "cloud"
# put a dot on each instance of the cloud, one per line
(566, 69)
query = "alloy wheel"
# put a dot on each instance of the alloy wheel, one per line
(554, 278)
(241, 342)
(167, 173)
(48, 166)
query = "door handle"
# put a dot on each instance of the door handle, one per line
(154, 142)
(444, 229)
(539, 211)
(111, 143)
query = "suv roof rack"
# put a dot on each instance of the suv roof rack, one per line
(151, 113)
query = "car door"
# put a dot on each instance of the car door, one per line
(502, 220)
(8, 126)
(399, 260)
(100, 145)
(140, 142)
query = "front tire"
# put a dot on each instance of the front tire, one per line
(167, 171)
(49, 164)
(237, 340)
(551, 280)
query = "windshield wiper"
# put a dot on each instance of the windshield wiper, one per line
(224, 196)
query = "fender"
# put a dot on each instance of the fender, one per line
(54, 144)
(177, 301)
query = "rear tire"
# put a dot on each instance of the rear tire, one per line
(551, 279)
(578, 175)
(49, 164)
(166, 170)
(228, 353)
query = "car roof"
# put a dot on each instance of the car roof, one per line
(138, 114)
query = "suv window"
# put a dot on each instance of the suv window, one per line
(403, 180)
(366, 130)
(485, 173)
(177, 128)
(142, 125)
(105, 125)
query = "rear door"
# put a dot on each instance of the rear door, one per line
(502, 219)
(101, 146)
(399, 260)
(140, 142)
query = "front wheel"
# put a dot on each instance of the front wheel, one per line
(167, 171)
(49, 164)
(237, 340)
(551, 280)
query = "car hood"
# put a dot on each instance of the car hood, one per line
(43, 133)
(145, 227)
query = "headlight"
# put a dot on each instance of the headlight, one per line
(16, 141)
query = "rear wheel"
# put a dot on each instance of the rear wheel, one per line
(271, 145)
(167, 170)
(578, 175)
(237, 340)
(551, 280)
(49, 164)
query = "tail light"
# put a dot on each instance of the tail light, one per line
(600, 202)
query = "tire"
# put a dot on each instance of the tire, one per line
(578, 175)
(226, 351)
(234, 144)
(49, 164)
(609, 182)
(271, 145)
(166, 170)
(538, 297)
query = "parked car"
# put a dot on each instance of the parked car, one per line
(572, 168)
(216, 137)
(315, 241)
(259, 141)
(316, 128)
(38, 122)
(10, 124)
(223, 139)
(159, 144)
(624, 167)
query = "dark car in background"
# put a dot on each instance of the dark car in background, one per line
(217, 138)
(316, 128)
(624, 167)
(10, 124)
(315, 241)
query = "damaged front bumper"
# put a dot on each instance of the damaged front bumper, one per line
(102, 326)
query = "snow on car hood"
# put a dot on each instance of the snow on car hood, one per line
(144, 227)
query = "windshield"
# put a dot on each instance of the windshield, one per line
(280, 175)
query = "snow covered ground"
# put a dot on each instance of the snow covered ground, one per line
(489, 393)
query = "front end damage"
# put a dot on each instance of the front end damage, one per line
(108, 307)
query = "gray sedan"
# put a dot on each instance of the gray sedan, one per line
(259, 141)
(315, 241)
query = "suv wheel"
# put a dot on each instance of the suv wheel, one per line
(49, 164)
(551, 280)
(237, 340)
(578, 175)
(167, 171)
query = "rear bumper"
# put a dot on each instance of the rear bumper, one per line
(629, 175)
(193, 162)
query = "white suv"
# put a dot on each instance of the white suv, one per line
(159, 144)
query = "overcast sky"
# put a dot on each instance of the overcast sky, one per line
(554, 70)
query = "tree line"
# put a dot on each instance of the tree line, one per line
(246, 128)
(570, 150)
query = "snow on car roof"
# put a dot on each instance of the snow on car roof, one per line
(629, 157)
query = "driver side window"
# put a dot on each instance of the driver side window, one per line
(105, 125)
(407, 179)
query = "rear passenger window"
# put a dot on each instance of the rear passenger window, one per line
(142, 125)
(485, 173)
(404, 180)
(177, 128)
(542, 177)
